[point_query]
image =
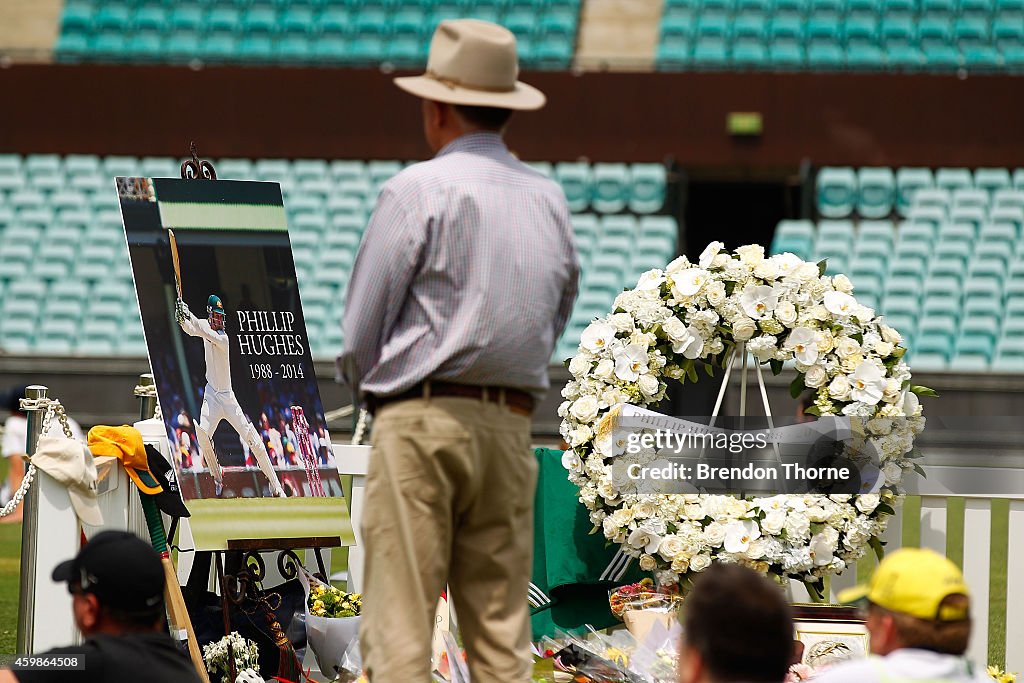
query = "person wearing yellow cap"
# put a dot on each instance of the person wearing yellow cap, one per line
(918, 620)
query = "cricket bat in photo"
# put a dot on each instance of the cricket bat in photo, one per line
(174, 259)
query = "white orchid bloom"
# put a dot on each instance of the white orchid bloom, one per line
(597, 336)
(759, 301)
(804, 343)
(868, 383)
(838, 303)
(630, 362)
(740, 534)
(708, 255)
(690, 281)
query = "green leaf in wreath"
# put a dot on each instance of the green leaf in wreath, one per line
(885, 508)
(797, 386)
(924, 391)
(919, 469)
(898, 352)
(709, 368)
(858, 337)
(730, 287)
(812, 410)
(822, 266)
(877, 545)
(776, 366)
(691, 372)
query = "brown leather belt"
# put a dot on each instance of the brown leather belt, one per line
(518, 401)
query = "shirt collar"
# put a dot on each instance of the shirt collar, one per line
(474, 142)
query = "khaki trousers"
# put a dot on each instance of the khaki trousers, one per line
(449, 499)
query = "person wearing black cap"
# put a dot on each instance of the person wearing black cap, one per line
(13, 444)
(117, 587)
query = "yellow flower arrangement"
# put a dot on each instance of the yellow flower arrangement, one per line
(1000, 676)
(328, 601)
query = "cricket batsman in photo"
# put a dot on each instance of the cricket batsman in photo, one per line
(219, 401)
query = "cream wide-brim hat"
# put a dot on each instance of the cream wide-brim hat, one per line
(473, 63)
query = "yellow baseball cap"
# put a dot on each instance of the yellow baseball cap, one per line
(125, 443)
(914, 581)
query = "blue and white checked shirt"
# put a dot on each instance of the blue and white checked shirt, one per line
(467, 273)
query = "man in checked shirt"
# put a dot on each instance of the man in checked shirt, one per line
(464, 281)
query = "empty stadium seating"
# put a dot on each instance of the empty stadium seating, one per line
(65, 284)
(864, 35)
(308, 31)
(950, 276)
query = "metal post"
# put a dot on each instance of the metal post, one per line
(29, 530)
(147, 403)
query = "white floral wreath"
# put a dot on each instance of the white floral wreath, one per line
(781, 309)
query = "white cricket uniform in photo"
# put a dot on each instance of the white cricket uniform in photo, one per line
(220, 403)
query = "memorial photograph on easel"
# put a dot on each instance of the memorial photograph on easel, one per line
(223, 323)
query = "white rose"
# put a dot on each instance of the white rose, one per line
(845, 346)
(867, 502)
(671, 547)
(839, 388)
(893, 473)
(786, 313)
(714, 534)
(751, 254)
(884, 349)
(815, 376)
(604, 369)
(797, 526)
(766, 270)
(743, 329)
(585, 408)
(623, 322)
(649, 385)
(716, 293)
(773, 522)
(755, 550)
(842, 284)
(699, 563)
(580, 435)
(807, 272)
(571, 461)
(890, 335)
(579, 366)
(648, 563)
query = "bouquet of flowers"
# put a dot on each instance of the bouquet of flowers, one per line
(332, 622)
(328, 601)
(244, 651)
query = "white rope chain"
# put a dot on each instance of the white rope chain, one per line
(360, 431)
(52, 407)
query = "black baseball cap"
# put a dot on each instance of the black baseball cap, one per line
(120, 569)
(169, 500)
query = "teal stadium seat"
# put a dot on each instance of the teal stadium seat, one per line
(575, 180)
(610, 187)
(648, 192)
(876, 192)
(837, 192)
